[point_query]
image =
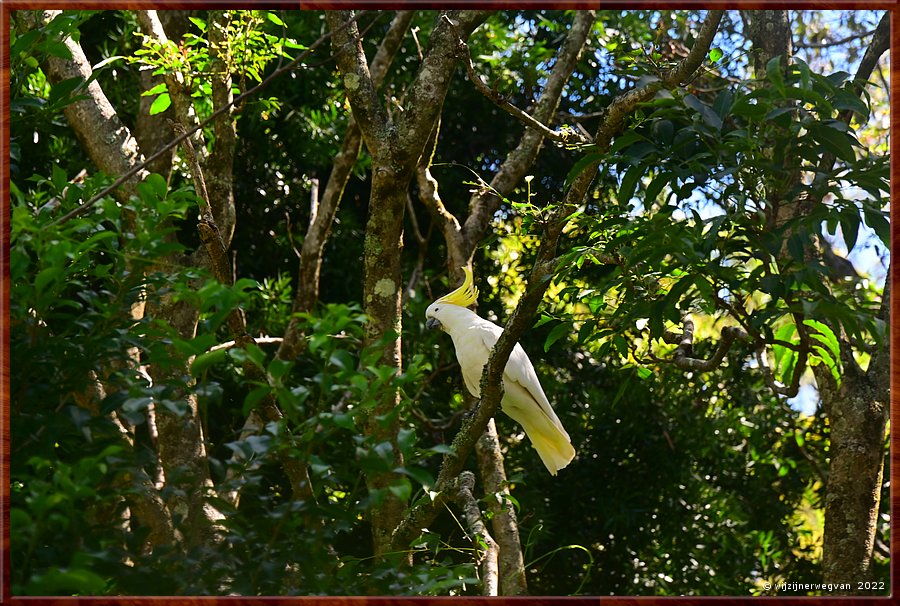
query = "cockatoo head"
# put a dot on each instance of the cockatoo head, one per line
(449, 306)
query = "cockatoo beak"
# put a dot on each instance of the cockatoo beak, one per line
(432, 323)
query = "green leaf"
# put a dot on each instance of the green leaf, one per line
(837, 78)
(710, 118)
(56, 49)
(558, 332)
(406, 439)
(624, 140)
(850, 221)
(543, 320)
(785, 371)
(838, 143)
(61, 90)
(825, 335)
(723, 103)
(205, 360)
(795, 246)
(629, 183)
(656, 186)
(803, 68)
(422, 476)
(58, 178)
(879, 223)
(752, 111)
(785, 333)
(200, 23)
(275, 19)
(255, 397)
(825, 357)
(159, 88)
(46, 277)
(24, 42)
(259, 445)
(62, 581)
(715, 54)
(278, 368)
(158, 184)
(844, 99)
(775, 75)
(344, 421)
(160, 104)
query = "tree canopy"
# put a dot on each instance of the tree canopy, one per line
(226, 226)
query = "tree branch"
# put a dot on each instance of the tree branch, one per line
(834, 42)
(467, 502)
(564, 136)
(425, 96)
(483, 204)
(623, 105)
(368, 112)
(108, 143)
(682, 358)
(503, 521)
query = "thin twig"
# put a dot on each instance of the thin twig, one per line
(834, 42)
(567, 136)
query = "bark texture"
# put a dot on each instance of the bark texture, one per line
(182, 452)
(467, 502)
(220, 166)
(322, 216)
(106, 140)
(462, 240)
(504, 522)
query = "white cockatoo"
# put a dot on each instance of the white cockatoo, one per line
(523, 398)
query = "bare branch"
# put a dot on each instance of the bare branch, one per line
(466, 501)
(683, 359)
(834, 42)
(623, 105)
(109, 144)
(564, 136)
(769, 376)
(357, 80)
(503, 521)
(482, 205)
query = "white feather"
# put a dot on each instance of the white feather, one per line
(523, 398)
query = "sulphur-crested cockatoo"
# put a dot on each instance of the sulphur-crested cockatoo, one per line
(523, 398)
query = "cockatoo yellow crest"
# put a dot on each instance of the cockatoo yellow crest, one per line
(463, 296)
(523, 398)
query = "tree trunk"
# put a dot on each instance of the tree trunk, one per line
(381, 299)
(858, 412)
(395, 148)
(858, 417)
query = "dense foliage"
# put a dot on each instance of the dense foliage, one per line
(699, 482)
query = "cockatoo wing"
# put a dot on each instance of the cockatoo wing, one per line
(473, 347)
(520, 371)
(523, 399)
